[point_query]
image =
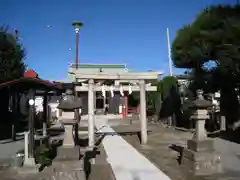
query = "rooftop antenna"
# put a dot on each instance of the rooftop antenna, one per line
(169, 54)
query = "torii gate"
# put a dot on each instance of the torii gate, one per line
(140, 77)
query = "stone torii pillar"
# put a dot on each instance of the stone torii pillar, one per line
(91, 105)
(143, 116)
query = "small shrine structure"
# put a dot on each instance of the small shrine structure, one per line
(29, 84)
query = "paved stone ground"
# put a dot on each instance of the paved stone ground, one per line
(9, 148)
(161, 143)
(100, 171)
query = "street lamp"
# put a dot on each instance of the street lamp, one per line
(77, 25)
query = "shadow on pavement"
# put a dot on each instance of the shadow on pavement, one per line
(230, 135)
(127, 133)
(178, 149)
(18, 138)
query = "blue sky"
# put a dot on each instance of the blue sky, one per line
(126, 31)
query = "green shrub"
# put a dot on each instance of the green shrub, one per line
(171, 102)
(166, 84)
(43, 155)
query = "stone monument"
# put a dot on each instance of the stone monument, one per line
(200, 158)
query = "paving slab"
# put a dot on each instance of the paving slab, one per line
(127, 163)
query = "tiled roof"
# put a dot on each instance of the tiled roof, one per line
(99, 66)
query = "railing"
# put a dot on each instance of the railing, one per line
(133, 110)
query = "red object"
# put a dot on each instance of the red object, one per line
(30, 74)
(125, 107)
(132, 110)
(124, 114)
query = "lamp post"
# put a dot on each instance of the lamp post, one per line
(77, 25)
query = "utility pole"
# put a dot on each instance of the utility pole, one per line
(169, 54)
(77, 25)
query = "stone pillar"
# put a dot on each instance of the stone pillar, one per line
(26, 134)
(94, 100)
(200, 158)
(222, 123)
(91, 113)
(143, 116)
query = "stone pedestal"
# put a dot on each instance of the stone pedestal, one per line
(29, 162)
(68, 170)
(29, 166)
(200, 158)
(67, 165)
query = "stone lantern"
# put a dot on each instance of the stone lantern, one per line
(67, 164)
(70, 103)
(200, 157)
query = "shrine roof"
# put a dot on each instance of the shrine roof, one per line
(31, 81)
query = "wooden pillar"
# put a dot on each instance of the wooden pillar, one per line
(143, 116)
(45, 113)
(14, 114)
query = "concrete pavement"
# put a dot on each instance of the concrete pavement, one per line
(127, 163)
(230, 155)
(8, 150)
